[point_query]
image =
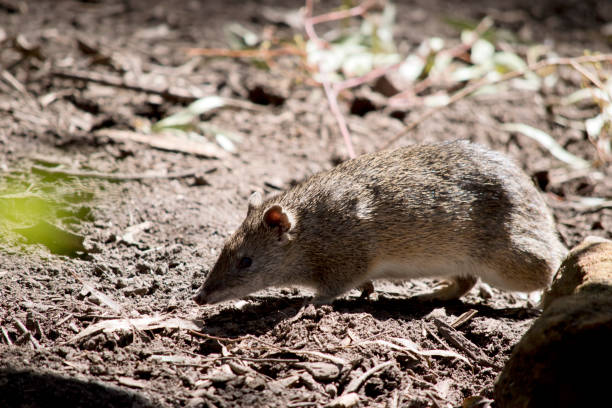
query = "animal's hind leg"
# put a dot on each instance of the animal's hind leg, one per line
(367, 288)
(451, 289)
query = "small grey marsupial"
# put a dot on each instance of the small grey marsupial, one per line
(455, 210)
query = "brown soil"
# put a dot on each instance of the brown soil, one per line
(253, 354)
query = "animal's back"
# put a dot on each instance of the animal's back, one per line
(443, 209)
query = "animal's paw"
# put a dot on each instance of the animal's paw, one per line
(450, 289)
(367, 288)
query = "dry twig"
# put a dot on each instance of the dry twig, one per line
(458, 340)
(588, 75)
(141, 323)
(331, 91)
(464, 318)
(111, 80)
(208, 336)
(341, 14)
(261, 53)
(26, 334)
(167, 142)
(332, 98)
(177, 360)
(64, 320)
(115, 176)
(394, 400)
(356, 383)
(6, 336)
(370, 76)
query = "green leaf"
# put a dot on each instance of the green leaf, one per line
(180, 120)
(482, 52)
(578, 95)
(548, 143)
(594, 125)
(468, 36)
(357, 64)
(206, 104)
(439, 99)
(440, 63)
(509, 61)
(185, 118)
(529, 82)
(225, 143)
(239, 37)
(467, 73)
(412, 67)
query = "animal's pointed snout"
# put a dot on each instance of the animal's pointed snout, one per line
(200, 297)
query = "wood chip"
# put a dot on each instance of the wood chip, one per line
(6, 336)
(329, 357)
(458, 340)
(130, 382)
(282, 384)
(356, 383)
(105, 300)
(320, 371)
(409, 347)
(167, 142)
(344, 401)
(221, 375)
(20, 326)
(129, 236)
(176, 359)
(394, 400)
(143, 323)
(464, 318)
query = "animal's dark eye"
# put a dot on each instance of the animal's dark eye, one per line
(245, 262)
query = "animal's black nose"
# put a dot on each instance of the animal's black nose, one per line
(200, 298)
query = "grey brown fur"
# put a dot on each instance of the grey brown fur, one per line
(454, 210)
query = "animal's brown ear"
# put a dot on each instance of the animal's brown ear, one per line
(274, 217)
(255, 200)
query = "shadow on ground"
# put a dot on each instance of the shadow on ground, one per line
(40, 389)
(262, 316)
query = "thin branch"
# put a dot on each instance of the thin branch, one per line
(239, 358)
(471, 88)
(464, 318)
(167, 142)
(341, 14)
(480, 29)
(332, 98)
(356, 383)
(115, 176)
(394, 400)
(26, 334)
(208, 336)
(258, 53)
(6, 336)
(309, 26)
(19, 87)
(117, 82)
(375, 73)
(331, 92)
(588, 75)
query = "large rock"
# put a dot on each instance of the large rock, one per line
(588, 267)
(565, 358)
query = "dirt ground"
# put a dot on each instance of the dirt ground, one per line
(150, 243)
